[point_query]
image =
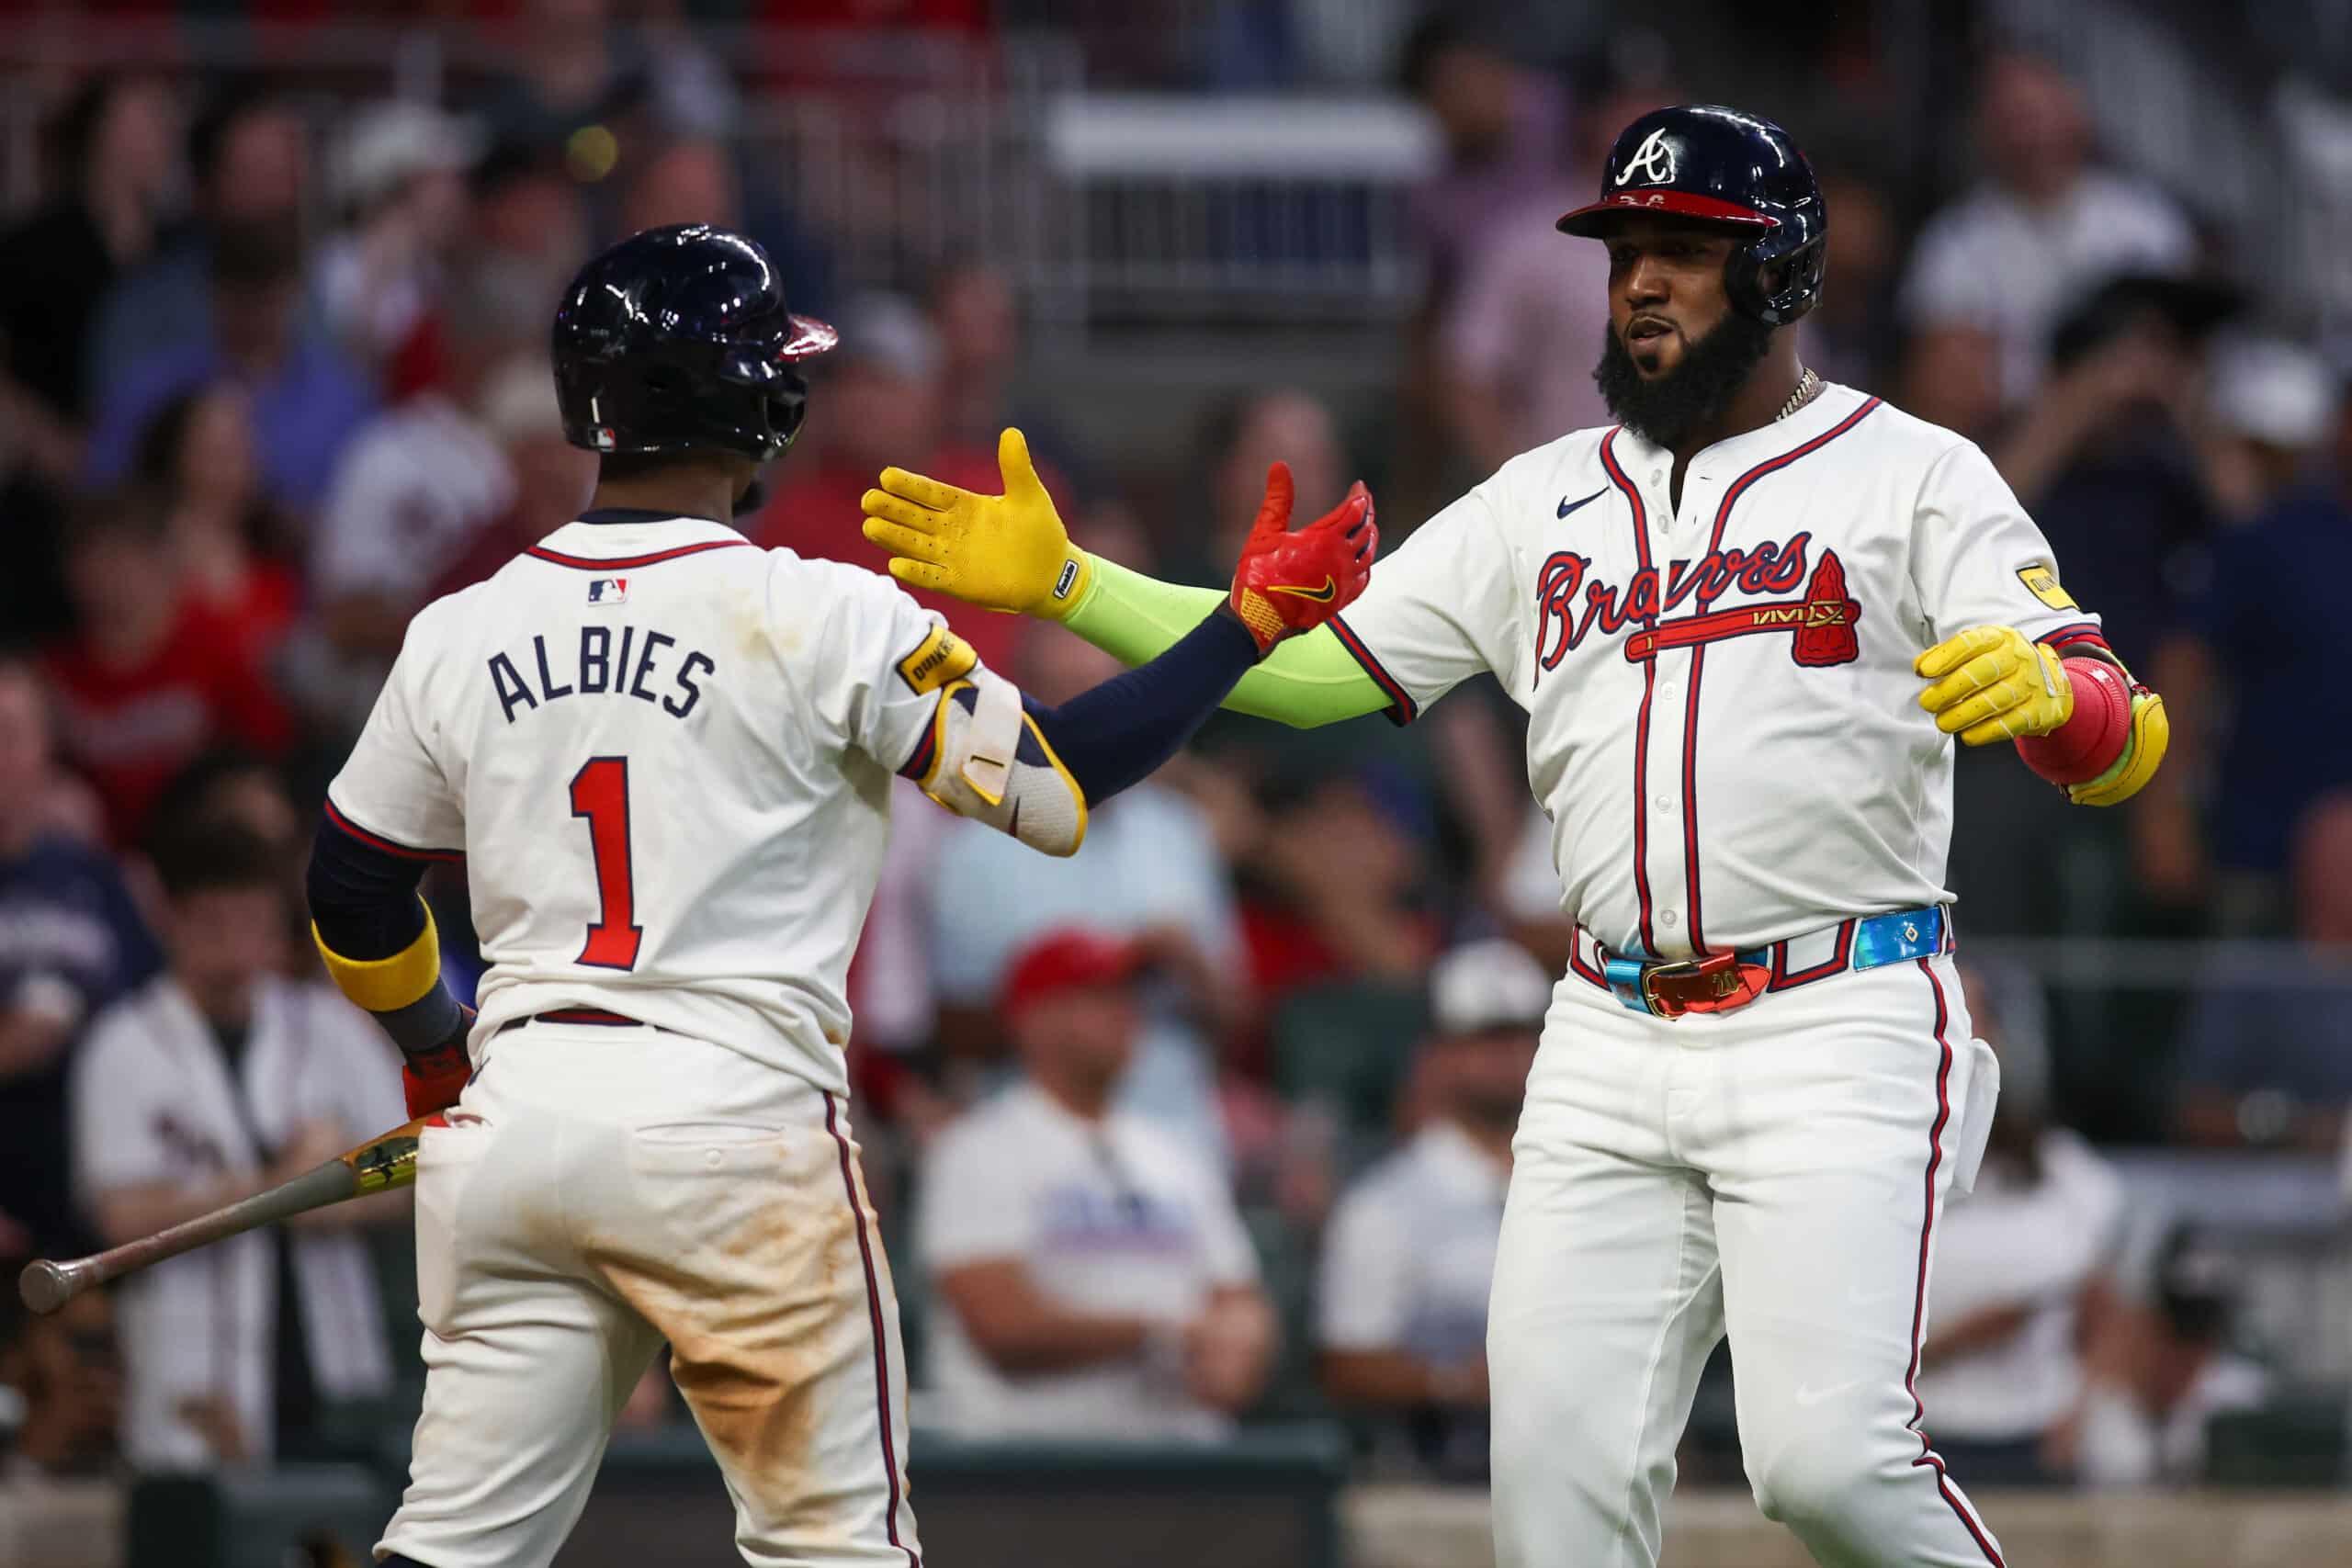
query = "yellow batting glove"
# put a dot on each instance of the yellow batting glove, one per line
(1990, 683)
(1003, 552)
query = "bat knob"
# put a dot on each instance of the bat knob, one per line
(45, 1286)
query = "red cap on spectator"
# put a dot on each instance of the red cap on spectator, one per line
(1065, 960)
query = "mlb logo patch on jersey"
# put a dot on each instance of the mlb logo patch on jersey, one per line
(608, 591)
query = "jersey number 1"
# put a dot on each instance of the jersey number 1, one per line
(599, 793)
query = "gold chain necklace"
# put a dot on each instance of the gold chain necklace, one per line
(1808, 387)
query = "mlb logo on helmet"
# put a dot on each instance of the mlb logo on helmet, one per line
(608, 591)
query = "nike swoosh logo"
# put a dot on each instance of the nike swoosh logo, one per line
(1567, 506)
(1323, 595)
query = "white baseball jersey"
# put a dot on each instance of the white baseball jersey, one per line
(1724, 724)
(154, 1100)
(1107, 1216)
(665, 756)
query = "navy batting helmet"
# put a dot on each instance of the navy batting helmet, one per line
(1724, 166)
(676, 340)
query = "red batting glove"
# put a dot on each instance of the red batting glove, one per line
(433, 1078)
(1288, 582)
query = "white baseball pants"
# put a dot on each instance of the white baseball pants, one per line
(599, 1191)
(1775, 1172)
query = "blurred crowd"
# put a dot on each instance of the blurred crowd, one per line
(1213, 1121)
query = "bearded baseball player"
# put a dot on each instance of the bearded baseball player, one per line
(1747, 622)
(666, 764)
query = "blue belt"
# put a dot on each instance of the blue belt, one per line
(1668, 988)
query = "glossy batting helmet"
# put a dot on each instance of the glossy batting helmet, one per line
(676, 340)
(1724, 166)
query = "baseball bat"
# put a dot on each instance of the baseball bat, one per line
(379, 1165)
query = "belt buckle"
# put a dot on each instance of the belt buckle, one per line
(1662, 1007)
(1725, 966)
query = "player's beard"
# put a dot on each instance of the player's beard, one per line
(1662, 410)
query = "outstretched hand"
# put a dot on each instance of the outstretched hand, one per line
(1001, 552)
(1292, 582)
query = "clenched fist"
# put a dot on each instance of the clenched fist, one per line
(1990, 683)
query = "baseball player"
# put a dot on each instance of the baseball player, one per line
(1745, 623)
(666, 764)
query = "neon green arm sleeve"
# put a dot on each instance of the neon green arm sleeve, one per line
(1308, 681)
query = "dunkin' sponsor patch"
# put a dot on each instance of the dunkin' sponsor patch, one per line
(942, 657)
(2041, 582)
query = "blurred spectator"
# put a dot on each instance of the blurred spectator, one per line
(1240, 438)
(2020, 1262)
(978, 320)
(1332, 887)
(216, 1080)
(552, 476)
(1096, 1279)
(198, 456)
(1951, 375)
(250, 156)
(877, 404)
(698, 179)
(71, 942)
(578, 81)
(1517, 341)
(1845, 337)
(154, 676)
(400, 182)
(113, 161)
(2158, 1375)
(526, 231)
(2278, 735)
(112, 150)
(2045, 226)
(2267, 1061)
(2271, 406)
(420, 485)
(1506, 136)
(1148, 873)
(66, 1370)
(2102, 456)
(684, 181)
(1411, 1253)
(307, 403)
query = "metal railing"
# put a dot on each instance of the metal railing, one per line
(902, 158)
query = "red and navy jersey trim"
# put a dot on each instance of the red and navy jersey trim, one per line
(630, 563)
(1649, 681)
(1402, 709)
(917, 766)
(378, 842)
(884, 1406)
(1928, 1455)
(2074, 633)
(1739, 487)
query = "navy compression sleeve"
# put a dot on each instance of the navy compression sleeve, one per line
(377, 939)
(1120, 732)
(363, 898)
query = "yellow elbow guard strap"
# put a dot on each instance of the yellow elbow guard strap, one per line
(388, 985)
(2144, 750)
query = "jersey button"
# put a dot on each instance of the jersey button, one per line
(1663, 802)
(1669, 918)
(1665, 688)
